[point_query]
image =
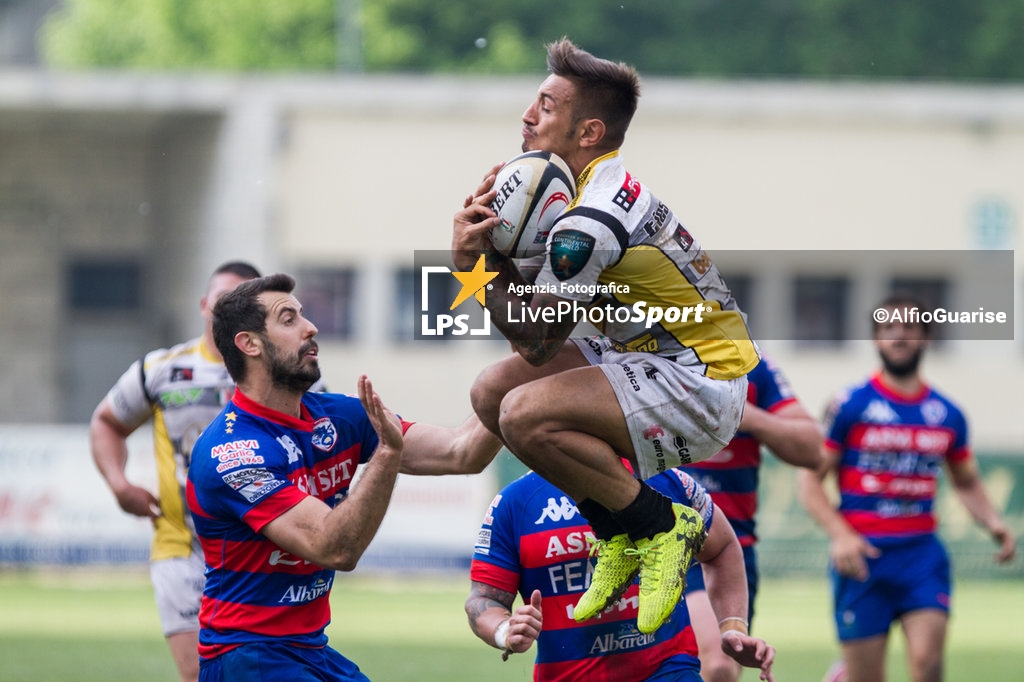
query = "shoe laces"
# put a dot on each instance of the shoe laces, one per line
(646, 555)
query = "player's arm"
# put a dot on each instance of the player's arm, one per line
(970, 489)
(431, 450)
(108, 439)
(336, 538)
(489, 610)
(848, 547)
(536, 336)
(726, 581)
(790, 432)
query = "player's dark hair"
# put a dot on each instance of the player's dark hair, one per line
(903, 300)
(607, 90)
(238, 268)
(241, 311)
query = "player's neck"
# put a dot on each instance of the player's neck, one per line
(263, 392)
(909, 385)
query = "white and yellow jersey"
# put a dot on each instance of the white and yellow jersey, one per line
(182, 388)
(619, 248)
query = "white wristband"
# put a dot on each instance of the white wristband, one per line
(501, 635)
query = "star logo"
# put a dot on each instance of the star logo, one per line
(473, 283)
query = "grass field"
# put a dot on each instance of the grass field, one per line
(101, 625)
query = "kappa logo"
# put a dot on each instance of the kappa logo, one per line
(294, 453)
(282, 558)
(562, 510)
(879, 412)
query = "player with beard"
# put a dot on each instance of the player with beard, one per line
(886, 440)
(269, 490)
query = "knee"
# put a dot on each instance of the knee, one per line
(926, 666)
(514, 418)
(486, 395)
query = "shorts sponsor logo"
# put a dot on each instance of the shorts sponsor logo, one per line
(325, 436)
(653, 431)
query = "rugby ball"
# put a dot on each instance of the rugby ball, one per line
(532, 191)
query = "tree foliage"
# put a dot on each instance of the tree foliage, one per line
(909, 39)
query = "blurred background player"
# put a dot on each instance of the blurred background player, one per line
(534, 541)
(886, 441)
(270, 490)
(181, 389)
(772, 417)
(660, 394)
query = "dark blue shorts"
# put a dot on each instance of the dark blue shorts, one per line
(695, 579)
(910, 575)
(279, 662)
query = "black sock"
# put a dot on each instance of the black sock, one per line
(647, 515)
(600, 519)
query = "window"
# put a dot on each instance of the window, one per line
(328, 296)
(933, 293)
(820, 307)
(112, 286)
(742, 288)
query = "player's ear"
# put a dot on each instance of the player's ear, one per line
(249, 343)
(592, 133)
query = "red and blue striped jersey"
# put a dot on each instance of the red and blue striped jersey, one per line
(248, 467)
(733, 475)
(892, 448)
(533, 537)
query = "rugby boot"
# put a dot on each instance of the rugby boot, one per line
(664, 561)
(615, 570)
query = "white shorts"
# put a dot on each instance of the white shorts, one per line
(675, 416)
(178, 586)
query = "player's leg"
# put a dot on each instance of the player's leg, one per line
(184, 646)
(924, 606)
(864, 612)
(865, 659)
(571, 429)
(178, 590)
(496, 380)
(925, 633)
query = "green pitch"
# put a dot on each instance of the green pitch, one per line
(101, 625)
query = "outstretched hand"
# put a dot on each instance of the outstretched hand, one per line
(383, 420)
(750, 652)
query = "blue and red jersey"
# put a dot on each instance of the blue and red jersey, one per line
(733, 475)
(533, 537)
(892, 448)
(249, 466)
